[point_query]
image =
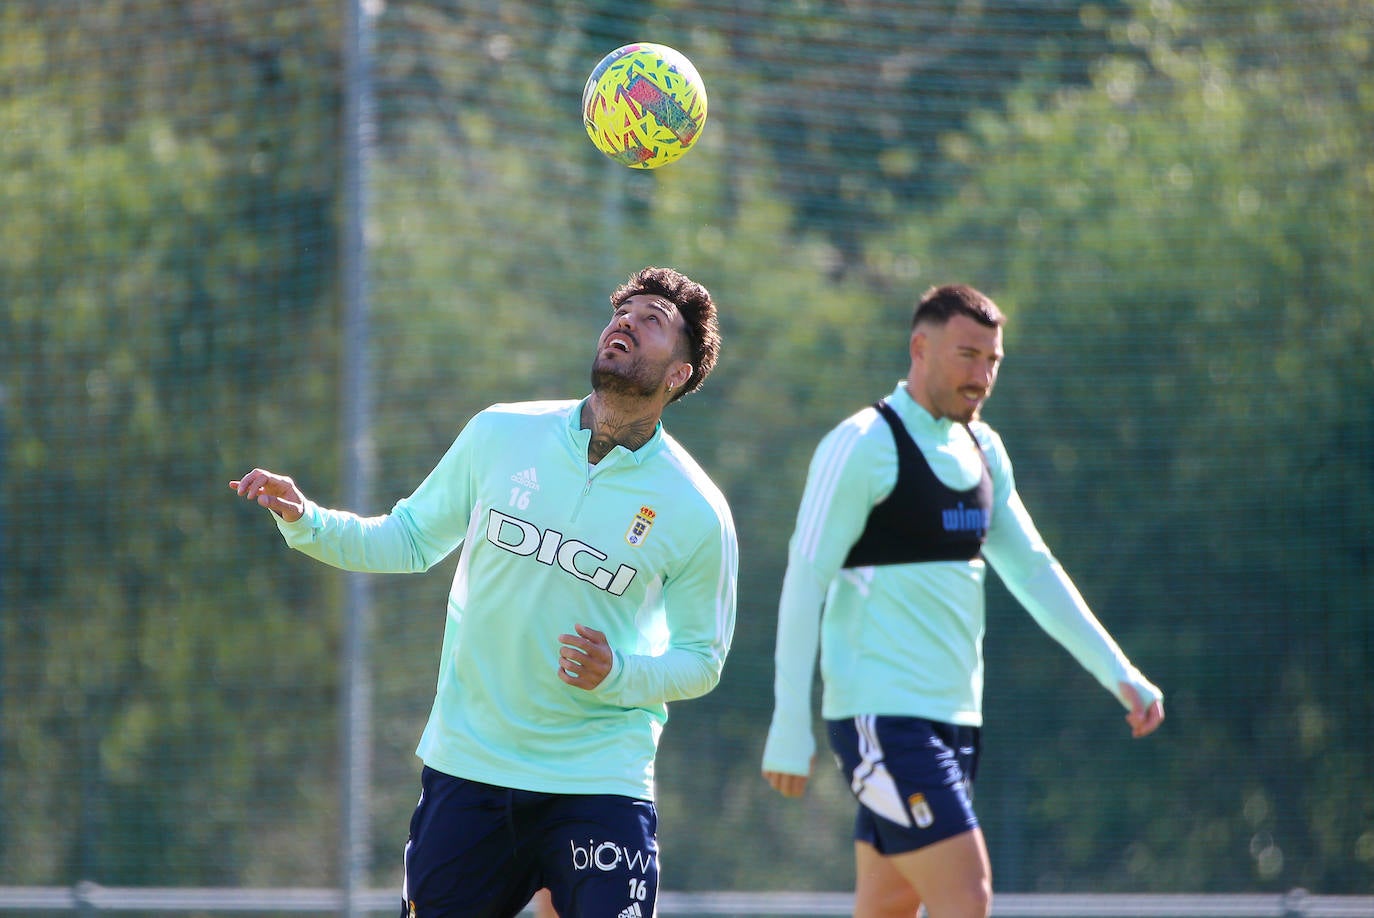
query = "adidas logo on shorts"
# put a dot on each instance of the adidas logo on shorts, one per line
(633, 911)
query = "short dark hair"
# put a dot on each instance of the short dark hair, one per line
(940, 304)
(694, 302)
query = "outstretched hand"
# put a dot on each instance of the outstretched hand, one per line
(585, 659)
(1143, 720)
(275, 492)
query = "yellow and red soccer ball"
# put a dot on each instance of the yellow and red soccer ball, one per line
(644, 105)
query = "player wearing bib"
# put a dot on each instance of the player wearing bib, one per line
(596, 584)
(905, 505)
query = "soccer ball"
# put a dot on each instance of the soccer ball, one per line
(644, 105)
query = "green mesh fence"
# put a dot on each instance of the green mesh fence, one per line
(1174, 202)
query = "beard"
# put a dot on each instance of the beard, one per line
(634, 379)
(959, 412)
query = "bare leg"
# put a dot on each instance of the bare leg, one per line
(541, 906)
(880, 890)
(953, 878)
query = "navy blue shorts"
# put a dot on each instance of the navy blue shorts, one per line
(480, 851)
(913, 779)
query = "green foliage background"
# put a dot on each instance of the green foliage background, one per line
(1174, 201)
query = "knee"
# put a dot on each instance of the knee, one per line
(968, 900)
(886, 899)
(978, 899)
(898, 902)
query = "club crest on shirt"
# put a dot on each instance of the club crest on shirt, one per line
(639, 529)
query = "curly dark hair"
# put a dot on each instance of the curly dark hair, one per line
(694, 302)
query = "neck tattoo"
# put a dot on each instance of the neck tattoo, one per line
(608, 433)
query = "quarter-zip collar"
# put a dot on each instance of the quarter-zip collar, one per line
(915, 415)
(579, 439)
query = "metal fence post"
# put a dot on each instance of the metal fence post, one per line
(358, 453)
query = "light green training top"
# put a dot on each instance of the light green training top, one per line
(907, 639)
(640, 546)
